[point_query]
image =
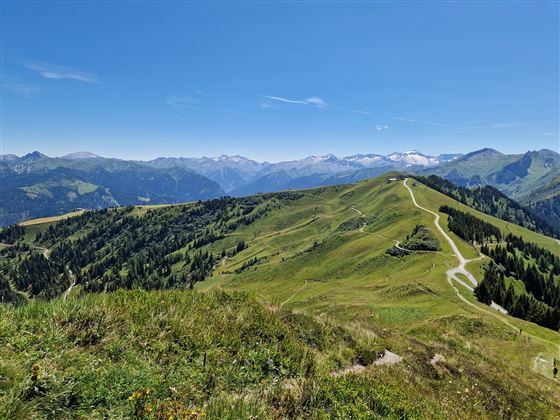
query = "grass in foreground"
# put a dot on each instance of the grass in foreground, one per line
(225, 355)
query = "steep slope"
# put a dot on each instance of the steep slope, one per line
(520, 178)
(473, 168)
(545, 200)
(279, 181)
(516, 175)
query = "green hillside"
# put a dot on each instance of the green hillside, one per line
(307, 258)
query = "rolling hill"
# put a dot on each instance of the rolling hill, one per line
(397, 335)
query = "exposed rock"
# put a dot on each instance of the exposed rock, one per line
(437, 359)
(388, 358)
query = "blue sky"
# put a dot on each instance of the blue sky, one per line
(276, 81)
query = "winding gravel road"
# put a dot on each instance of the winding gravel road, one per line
(452, 275)
(462, 260)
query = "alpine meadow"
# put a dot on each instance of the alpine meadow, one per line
(168, 276)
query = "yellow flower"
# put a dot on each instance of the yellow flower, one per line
(36, 372)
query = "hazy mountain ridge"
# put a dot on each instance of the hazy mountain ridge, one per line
(529, 178)
(238, 175)
(36, 185)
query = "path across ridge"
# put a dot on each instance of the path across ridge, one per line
(452, 275)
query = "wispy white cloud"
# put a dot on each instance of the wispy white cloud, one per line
(22, 88)
(510, 124)
(53, 71)
(404, 119)
(359, 111)
(549, 133)
(289, 101)
(313, 101)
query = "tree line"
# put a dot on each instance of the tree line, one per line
(469, 227)
(120, 248)
(521, 305)
(490, 200)
(513, 259)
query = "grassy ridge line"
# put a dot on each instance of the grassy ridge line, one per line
(141, 209)
(50, 219)
(353, 293)
(335, 207)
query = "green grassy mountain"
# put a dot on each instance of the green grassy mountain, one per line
(333, 325)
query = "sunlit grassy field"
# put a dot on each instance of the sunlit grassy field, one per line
(309, 265)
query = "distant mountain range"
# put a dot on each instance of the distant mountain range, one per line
(36, 185)
(238, 175)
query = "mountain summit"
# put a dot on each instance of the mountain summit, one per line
(81, 155)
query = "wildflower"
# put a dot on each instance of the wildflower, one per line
(36, 376)
(135, 395)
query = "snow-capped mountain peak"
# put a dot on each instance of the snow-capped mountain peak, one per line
(329, 157)
(413, 157)
(365, 160)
